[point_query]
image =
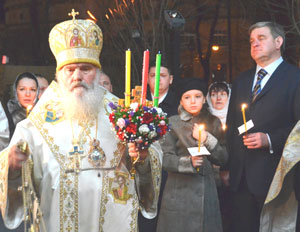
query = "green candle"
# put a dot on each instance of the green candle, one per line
(157, 77)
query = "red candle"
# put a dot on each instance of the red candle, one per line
(145, 76)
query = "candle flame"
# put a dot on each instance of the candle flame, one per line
(224, 127)
(91, 15)
(201, 127)
(215, 48)
(106, 15)
(111, 12)
(244, 106)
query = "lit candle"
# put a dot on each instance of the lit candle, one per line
(28, 108)
(157, 77)
(224, 127)
(127, 78)
(244, 116)
(201, 127)
(145, 76)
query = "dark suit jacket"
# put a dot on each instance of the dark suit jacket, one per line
(275, 111)
(170, 104)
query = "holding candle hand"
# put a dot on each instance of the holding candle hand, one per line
(197, 161)
(256, 140)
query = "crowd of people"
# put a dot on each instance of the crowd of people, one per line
(250, 175)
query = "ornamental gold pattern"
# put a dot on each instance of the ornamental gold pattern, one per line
(156, 169)
(68, 184)
(3, 180)
(76, 41)
(287, 162)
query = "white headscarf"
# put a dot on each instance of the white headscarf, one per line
(221, 114)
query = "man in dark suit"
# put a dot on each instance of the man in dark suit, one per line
(272, 96)
(168, 102)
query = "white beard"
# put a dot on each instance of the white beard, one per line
(83, 107)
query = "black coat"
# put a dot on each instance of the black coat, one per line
(170, 104)
(275, 111)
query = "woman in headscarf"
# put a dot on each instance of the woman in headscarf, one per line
(26, 90)
(218, 100)
(190, 200)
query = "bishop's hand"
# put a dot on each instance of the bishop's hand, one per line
(136, 153)
(17, 155)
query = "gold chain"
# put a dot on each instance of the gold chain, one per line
(85, 130)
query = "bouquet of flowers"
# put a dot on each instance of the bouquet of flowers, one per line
(138, 123)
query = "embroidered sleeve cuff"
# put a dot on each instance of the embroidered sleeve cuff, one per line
(210, 142)
(185, 165)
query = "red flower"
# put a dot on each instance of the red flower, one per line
(131, 128)
(147, 118)
(163, 129)
(121, 136)
(111, 117)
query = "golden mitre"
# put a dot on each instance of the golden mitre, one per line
(76, 41)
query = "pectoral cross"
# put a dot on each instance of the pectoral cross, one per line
(75, 156)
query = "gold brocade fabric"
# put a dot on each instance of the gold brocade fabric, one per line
(280, 209)
(290, 157)
(91, 200)
(3, 179)
(76, 41)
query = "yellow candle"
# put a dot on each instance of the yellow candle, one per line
(201, 127)
(244, 116)
(127, 78)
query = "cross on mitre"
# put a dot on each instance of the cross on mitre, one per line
(73, 14)
(75, 156)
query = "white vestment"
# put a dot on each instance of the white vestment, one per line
(4, 129)
(91, 200)
(279, 213)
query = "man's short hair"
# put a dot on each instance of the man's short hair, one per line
(164, 63)
(276, 30)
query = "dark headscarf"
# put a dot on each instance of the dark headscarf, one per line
(26, 75)
(17, 112)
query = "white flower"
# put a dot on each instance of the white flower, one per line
(152, 134)
(144, 129)
(159, 110)
(134, 106)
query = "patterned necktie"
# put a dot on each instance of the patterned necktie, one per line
(257, 89)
